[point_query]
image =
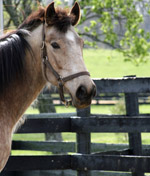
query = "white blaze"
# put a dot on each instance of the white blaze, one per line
(70, 36)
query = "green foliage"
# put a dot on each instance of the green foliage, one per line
(15, 11)
(125, 15)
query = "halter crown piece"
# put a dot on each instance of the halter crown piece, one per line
(61, 80)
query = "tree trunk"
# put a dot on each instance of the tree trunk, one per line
(45, 105)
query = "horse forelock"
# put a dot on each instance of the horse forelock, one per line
(12, 57)
(61, 20)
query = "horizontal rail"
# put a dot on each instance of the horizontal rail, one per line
(111, 163)
(108, 124)
(59, 147)
(26, 163)
(123, 85)
(90, 124)
(79, 162)
(46, 125)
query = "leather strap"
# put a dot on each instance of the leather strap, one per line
(68, 78)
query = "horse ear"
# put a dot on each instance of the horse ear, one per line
(75, 11)
(50, 12)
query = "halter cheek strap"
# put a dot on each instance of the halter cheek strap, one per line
(61, 80)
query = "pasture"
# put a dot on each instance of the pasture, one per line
(103, 63)
(99, 66)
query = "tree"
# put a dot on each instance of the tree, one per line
(18, 10)
(117, 24)
(45, 105)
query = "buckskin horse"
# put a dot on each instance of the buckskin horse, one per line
(44, 48)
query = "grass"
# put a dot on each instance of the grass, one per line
(101, 64)
(144, 109)
(103, 109)
(31, 110)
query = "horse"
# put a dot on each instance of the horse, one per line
(44, 48)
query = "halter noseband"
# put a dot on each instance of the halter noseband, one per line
(61, 80)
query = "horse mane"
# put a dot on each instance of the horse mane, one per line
(13, 45)
(62, 19)
(12, 57)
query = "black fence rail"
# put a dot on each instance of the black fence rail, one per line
(90, 159)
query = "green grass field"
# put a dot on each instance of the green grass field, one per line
(101, 64)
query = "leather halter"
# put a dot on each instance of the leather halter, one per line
(61, 80)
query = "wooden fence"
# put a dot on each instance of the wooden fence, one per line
(89, 159)
(99, 99)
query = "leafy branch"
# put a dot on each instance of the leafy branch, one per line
(118, 24)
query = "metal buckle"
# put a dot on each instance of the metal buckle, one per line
(60, 81)
(67, 103)
(44, 59)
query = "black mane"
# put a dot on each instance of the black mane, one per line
(12, 57)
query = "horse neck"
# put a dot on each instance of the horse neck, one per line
(20, 94)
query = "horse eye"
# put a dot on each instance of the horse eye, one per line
(55, 45)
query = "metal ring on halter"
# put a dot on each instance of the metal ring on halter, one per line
(60, 81)
(67, 103)
(43, 45)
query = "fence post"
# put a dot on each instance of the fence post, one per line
(83, 140)
(132, 109)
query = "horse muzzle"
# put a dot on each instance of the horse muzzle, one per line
(84, 97)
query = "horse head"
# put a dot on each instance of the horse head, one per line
(61, 50)
(64, 52)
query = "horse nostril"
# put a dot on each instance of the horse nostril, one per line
(81, 93)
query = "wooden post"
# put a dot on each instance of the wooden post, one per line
(83, 140)
(132, 109)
